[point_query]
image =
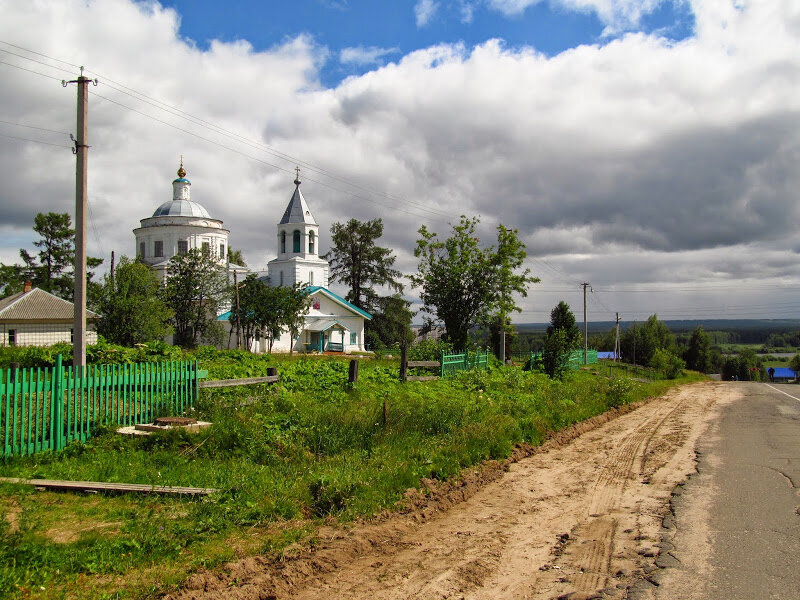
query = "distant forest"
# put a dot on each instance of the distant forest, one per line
(773, 335)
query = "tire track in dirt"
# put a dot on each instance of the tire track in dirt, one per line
(579, 520)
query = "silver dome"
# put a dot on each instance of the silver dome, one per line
(181, 208)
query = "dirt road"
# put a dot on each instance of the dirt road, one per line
(577, 520)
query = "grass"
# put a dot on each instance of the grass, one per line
(285, 458)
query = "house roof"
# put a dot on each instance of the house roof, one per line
(317, 324)
(313, 289)
(38, 305)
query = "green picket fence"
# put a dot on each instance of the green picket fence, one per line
(575, 358)
(453, 363)
(45, 409)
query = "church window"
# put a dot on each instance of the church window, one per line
(353, 338)
(222, 250)
(206, 248)
(281, 277)
(296, 241)
(311, 242)
(311, 277)
(141, 249)
(283, 242)
(183, 246)
(158, 248)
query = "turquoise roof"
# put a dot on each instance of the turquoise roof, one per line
(182, 180)
(312, 289)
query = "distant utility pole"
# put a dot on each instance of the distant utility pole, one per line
(616, 343)
(81, 150)
(585, 327)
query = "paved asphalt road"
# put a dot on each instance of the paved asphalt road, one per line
(737, 521)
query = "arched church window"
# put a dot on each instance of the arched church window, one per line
(311, 277)
(283, 242)
(296, 241)
(311, 242)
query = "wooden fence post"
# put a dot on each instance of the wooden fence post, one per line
(403, 363)
(352, 375)
(272, 371)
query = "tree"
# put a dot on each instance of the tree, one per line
(794, 365)
(464, 284)
(359, 263)
(236, 257)
(561, 317)
(52, 268)
(506, 262)
(698, 353)
(391, 323)
(194, 290)
(131, 308)
(555, 354)
(640, 343)
(294, 305)
(562, 337)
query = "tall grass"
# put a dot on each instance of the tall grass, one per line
(281, 456)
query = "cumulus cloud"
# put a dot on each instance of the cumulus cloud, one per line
(361, 55)
(424, 10)
(640, 162)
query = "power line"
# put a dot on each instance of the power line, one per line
(39, 54)
(2, 62)
(34, 127)
(16, 137)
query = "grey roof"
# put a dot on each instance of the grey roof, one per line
(181, 208)
(38, 305)
(297, 211)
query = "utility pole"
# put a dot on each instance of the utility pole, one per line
(585, 327)
(238, 313)
(81, 150)
(616, 342)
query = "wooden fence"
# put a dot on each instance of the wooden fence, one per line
(45, 409)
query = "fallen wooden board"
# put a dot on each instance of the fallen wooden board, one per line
(424, 363)
(423, 378)
(98, 486)
(218, 383)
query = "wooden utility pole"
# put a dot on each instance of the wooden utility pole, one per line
(585, 327)
(81, 151)
(238, 318)
(616, 342)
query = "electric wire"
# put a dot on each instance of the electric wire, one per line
(16, 137)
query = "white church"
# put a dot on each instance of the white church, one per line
(332, 324)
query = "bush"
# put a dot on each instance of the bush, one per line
(667, 363)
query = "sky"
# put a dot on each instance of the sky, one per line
(647, 147)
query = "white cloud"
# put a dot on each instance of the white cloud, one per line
(424, 11)
(615, 14)
(360, 55)
(639, 161)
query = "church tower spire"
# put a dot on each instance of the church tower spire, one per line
(298, 245)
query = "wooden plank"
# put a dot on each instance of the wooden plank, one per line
(98, 486)
(423, 378)
(231, 382)
(424, 363)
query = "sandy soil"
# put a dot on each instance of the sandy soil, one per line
(580, 518)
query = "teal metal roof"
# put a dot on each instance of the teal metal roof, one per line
(312, 289)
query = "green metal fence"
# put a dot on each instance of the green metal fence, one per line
(453, 363)
(45, 409)
(575, 360)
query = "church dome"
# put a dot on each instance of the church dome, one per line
(181, 208)
(181, 204)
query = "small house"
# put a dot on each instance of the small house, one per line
(34, 317)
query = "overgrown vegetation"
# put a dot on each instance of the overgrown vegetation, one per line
(283, 458)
